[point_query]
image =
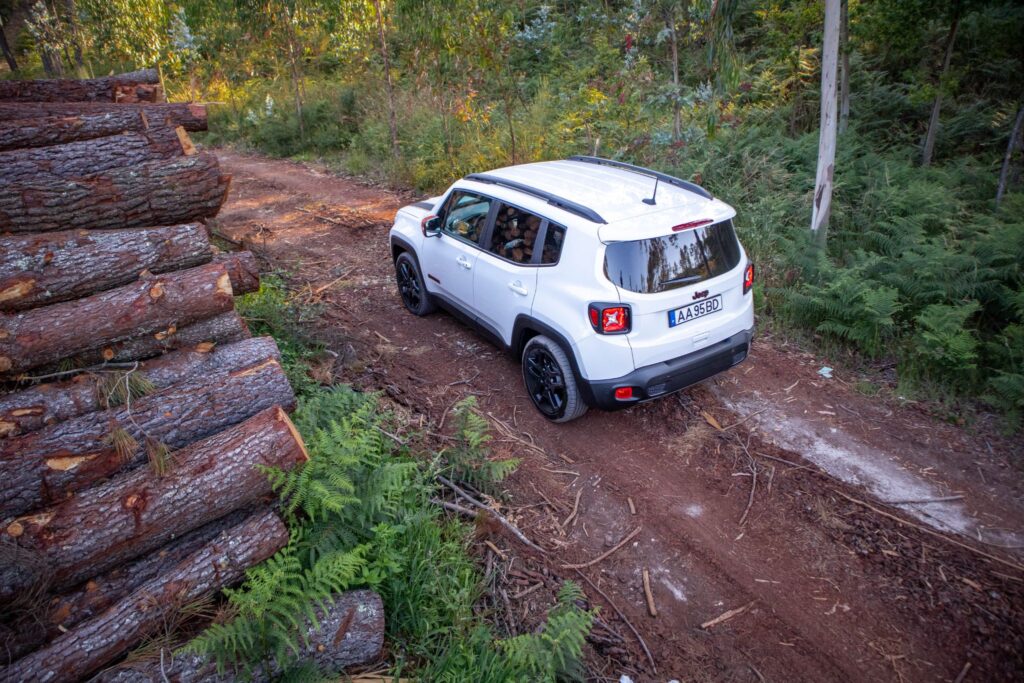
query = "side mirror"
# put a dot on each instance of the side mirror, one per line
(431, 226)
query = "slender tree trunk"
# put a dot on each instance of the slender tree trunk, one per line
(296, 74)
(8, 54)
(844, 66)
(1011, 148)
(933, 121)
(76, 38)
(827, 140)
(392, 121)
(670, 24)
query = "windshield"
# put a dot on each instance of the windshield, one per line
(677, 260)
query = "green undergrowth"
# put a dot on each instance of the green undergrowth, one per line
(361, 515)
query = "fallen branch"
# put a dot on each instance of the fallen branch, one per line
(920, 501)
(497, 515)
(976, 551)
(627, 622)
(575, 509)
(605, 555)
(726, 616)
(737, 424)
(651, 608)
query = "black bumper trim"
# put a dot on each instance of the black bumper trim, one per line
(661, 379)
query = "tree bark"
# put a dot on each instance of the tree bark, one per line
(141, 510)
(85, 158)
(222, 329)
(44, 335)
(192, 117)
(351, 632)
(57, 130)
(137, 86)
(48, 404)
(156, 193)
(47, 268)
(43, 467)
(1011, 148)
(844, 67)
(827, 139)
(242, 269)
(933, 121)
(98, 641)
(90, 599)
(392, 121)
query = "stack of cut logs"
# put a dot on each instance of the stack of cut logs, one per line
(135, 407)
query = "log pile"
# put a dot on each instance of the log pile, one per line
(136, 410)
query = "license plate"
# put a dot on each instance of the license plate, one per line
(696, 310)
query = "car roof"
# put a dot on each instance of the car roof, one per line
(615, 194)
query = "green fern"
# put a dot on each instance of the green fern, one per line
(555, 652)
(469, 460)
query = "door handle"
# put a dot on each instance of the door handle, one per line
(464, 262)
(518, 288)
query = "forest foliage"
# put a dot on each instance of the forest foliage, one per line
(922, 270)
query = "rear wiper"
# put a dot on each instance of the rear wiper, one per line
(682, 280)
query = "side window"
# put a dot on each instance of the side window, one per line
(465, 215)
(553, 243)
(514, 235)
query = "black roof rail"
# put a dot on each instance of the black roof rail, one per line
(663, 177)
(553, 199)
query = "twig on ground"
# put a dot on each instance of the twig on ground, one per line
(737, 424)
(627, 622)
(495, 549)
(651, 607)
(605, 555)
(921, 501)
(322, 217)
(523, 593)
(322, 288)
(391, 436)
(632, 507)
(509, 433)
(453, 507)
(976, 551)
(963, 673)
(575, 509)
(491, 511)
(726, 616)
(465, 381)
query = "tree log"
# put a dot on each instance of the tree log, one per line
(242, 269)
(90, 599)
(351, 632)
(143, 509)
(192, 117)
(87, 158)
(42, 467)
(47, 404)
(222, 329)
(56, 130)
(98, 641)
(136, 86)
(160, 192)
(43, 335)
(46, 268)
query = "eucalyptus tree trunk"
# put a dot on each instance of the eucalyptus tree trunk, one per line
(933, 121)
(1011, 148)
(8, 54)
(296, 73)
(827, 140)
(670, 24)
(392, 121)
(844, 66)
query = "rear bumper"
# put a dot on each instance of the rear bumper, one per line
(660, 379)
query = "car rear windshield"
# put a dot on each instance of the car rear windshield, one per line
(678, 260)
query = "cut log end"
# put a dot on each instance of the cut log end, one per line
(282, 416)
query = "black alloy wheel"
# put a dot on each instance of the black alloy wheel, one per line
(410, 286)
(550, 381)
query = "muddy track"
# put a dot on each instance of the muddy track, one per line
(749, 491)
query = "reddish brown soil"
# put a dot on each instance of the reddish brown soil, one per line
(833, 589)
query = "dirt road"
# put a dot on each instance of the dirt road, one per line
(786, 502)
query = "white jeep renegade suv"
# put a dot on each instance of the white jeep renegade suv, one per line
(613, 283)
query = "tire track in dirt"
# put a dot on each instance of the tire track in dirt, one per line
(837, 594)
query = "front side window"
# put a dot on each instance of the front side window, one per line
(677, 260)
(464, 215)
(515, 234)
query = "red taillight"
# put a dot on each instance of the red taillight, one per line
(609, 318)
(690, 225)
(623, 393)
(748, 278)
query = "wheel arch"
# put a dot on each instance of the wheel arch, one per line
(527, 327)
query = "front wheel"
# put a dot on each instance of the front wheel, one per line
(550, 381)
(410, 285)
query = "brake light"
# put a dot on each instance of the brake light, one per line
(623, 393)
(690, 225)
(609, 318)
(748, 278)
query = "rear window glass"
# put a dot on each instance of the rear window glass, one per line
(677, 260)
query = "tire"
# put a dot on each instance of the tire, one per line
(410, 285)
(550, 381)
